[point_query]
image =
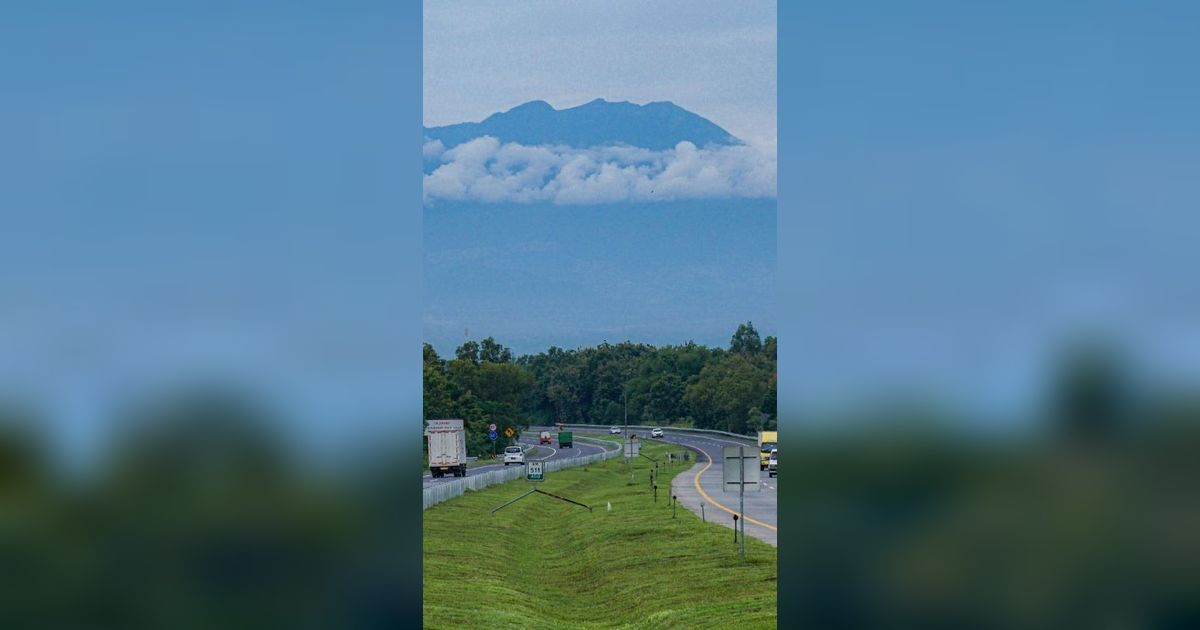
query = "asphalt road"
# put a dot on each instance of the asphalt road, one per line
(719, 506)
(538, 453)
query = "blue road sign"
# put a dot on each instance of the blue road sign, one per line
(492, 436)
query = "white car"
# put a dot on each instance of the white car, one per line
(657, 432)
(514, 455)
(773, 463)
(615, 430)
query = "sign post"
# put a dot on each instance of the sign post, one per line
(738, 470)
(742, 496)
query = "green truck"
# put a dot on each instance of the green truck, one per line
(566, 439)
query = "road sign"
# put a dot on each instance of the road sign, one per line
(730, 472)
(508, 432)
(533, 471)
(632, 448)
(492, 427)
(492, 436)
(740, 468)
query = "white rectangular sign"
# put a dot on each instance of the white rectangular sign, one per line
(533, 471)
(632, 448)
(730, 473)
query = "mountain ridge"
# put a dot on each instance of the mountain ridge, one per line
(657, 125)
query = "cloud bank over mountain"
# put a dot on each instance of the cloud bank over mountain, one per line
(598, 152)
(487, 170)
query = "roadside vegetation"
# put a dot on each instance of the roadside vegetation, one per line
(688, 385)
(542, 562)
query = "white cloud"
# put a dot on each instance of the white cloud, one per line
(485, 170)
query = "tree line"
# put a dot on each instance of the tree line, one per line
(689, 385)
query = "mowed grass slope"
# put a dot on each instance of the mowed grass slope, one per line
(542, 562)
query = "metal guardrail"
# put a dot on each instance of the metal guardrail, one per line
(445, 491)
(643, 427)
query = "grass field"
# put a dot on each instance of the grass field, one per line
(545, 563)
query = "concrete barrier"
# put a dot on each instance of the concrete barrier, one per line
(447, 490)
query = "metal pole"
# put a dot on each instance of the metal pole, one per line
(625, 438)
(656, 494)
(742, 496)
(673, 501)
(702, 519)
(735, 520)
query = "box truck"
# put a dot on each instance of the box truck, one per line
(447, 448)
(566, 439)
(767, 440)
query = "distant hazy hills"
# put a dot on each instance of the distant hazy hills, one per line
(659, 125)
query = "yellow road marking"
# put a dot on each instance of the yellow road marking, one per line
(696, 480)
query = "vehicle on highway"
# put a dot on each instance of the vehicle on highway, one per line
(615, 430)
(767, 441)
(544, 437)
(514, 455)
(566, 439)
(773, 463)
(657, 432)
(447, 448)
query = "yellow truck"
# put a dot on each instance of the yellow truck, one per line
(767, 441)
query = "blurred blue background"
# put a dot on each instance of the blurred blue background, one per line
(208, 191)
(209, 270)
(989, 356)
(977, 185)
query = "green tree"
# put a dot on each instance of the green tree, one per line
(469, 352)
(490, 351)
(723, 392)
(745, 340)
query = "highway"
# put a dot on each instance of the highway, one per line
(720, 506)
(538, 453)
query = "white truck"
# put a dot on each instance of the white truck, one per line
(447, 448)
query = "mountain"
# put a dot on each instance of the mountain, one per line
(658, 125)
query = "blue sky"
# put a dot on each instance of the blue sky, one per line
(714, 58)
(537, 275)
(598, 262)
